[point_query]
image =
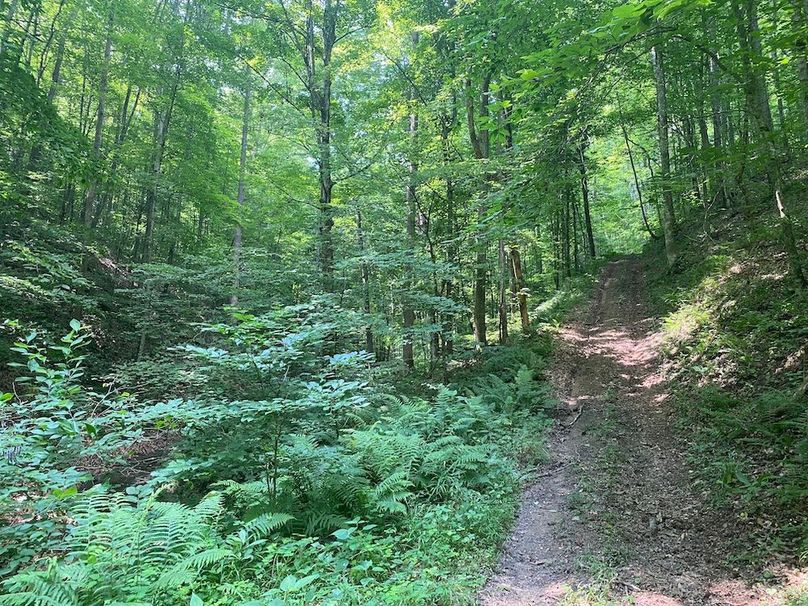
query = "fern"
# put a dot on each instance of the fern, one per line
(390, 494)
(266, 523)
(40, 588)
(123, 552)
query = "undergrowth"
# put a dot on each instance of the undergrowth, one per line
(735, 334)
(321, 484)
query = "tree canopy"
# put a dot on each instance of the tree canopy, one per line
(303, 194)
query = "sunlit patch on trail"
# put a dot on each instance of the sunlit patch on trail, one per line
(619, 486)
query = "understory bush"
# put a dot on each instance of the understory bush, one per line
(322, 484)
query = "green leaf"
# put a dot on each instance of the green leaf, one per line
(196, 600)
(76, 326)
(343, 534)
(288, 583)
(64, 493)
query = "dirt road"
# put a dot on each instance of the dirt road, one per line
(617, 507)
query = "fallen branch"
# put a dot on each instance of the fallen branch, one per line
(578, 416)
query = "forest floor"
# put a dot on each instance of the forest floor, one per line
(615, 516)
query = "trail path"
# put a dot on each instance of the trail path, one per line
(617, 500)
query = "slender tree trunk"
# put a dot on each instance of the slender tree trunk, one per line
(56, 74)
(479, 143)
(242, 188)
(9, 28)
(758, 102)
(502, 303)
(162, 121)
(365, 272)
(410, 195)
(557, 269)
(668, 213)
(565, 233)
(575, 222)
(521, 292)
(451, 248)
(89, 201)
(718, 121)
(45, 53)
(801, 56)
(320, 104)
(590, 237)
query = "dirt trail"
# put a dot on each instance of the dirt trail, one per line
(617, 501)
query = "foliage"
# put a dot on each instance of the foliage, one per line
(390, 490)
(296, 228)
(745, 401)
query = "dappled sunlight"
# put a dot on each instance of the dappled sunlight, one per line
(635, 486)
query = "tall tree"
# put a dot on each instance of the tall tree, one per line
(668, 212)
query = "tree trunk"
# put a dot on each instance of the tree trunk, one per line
(320, 105)
(502, 303)
(758, 102)
(410, 195)
(408, 312)
(56, 74)
(636, 181)
(668, 213)
(521, 293)
(12, 11)
(575, 222)
(590, 237)
(365, 271)
(479, 143)
(557, 248)
(242, 173)
(45, 52)
(565, 233)
(801, 56)
(162, 121)
(451, 247)
(89, 201)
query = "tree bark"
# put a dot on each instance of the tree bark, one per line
(521, 293)
(668, 213)
(565, 233)
(801, 55)
(242, 189)
(162, 121)
(502, 302)
(320, 106)
(89, 201)
(365, 272)
(758, 103)
(590, 237)
(410, 196)
(479, 143)
(10, 13)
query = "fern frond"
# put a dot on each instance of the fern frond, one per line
(266, 523)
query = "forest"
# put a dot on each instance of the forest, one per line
(403, 302)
